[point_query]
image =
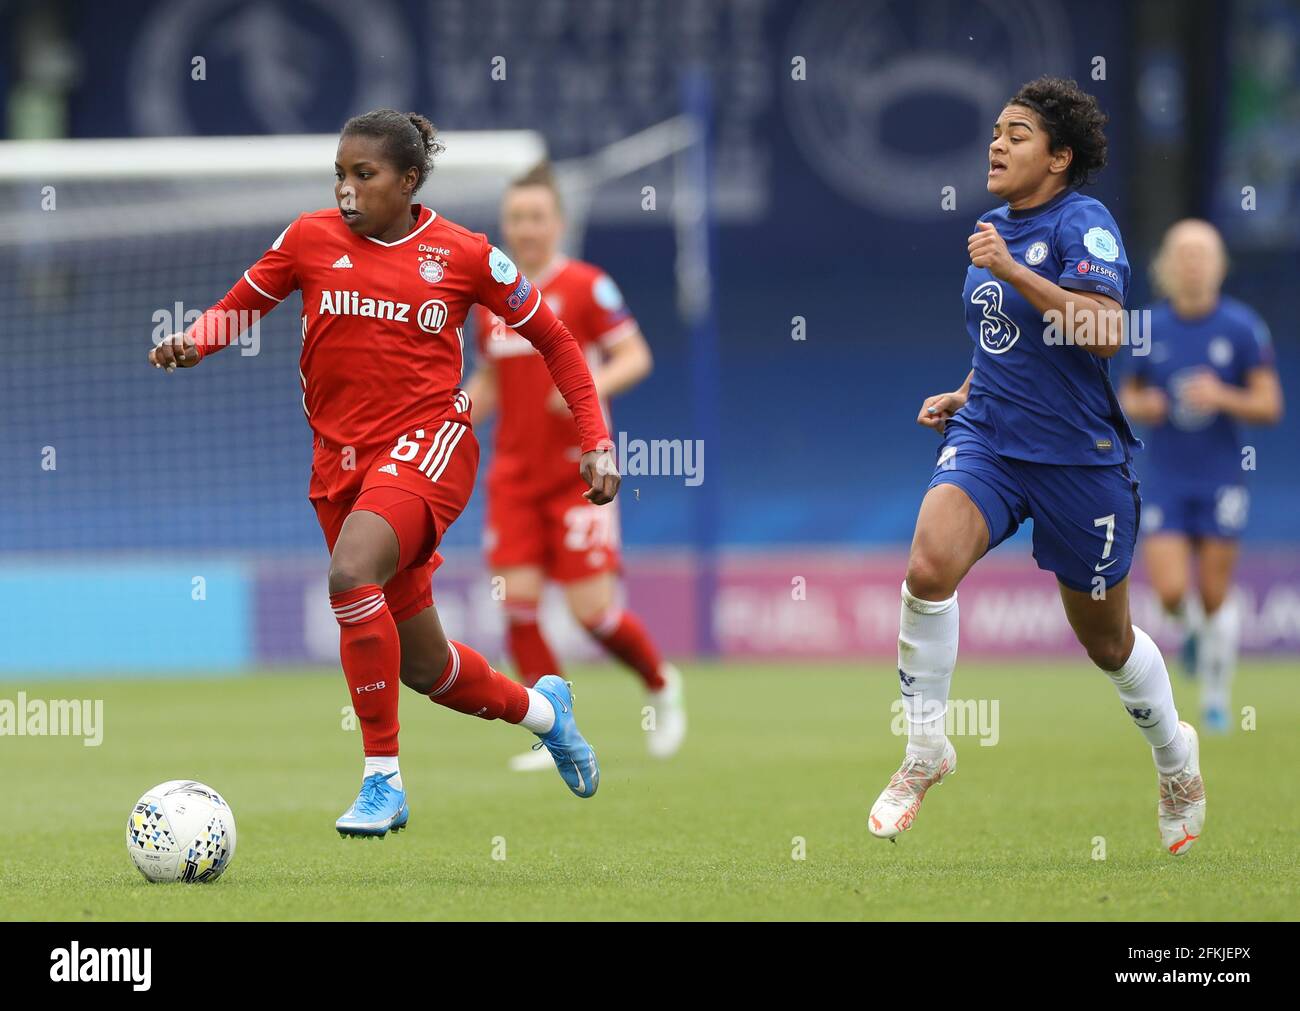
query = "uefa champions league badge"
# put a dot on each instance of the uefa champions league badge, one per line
(606, 293)
(1036, 254)
(431, 269)
(1101, 244)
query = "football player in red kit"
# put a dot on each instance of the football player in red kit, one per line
(386, 285)
(539, 526)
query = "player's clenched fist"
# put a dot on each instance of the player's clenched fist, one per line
(177, 351)
(987, 249)
(601, 472)
(1203, 391)
(936, 410)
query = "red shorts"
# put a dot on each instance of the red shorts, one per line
(420, 483)
(559, 532)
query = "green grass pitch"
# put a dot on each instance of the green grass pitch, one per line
(777, 753)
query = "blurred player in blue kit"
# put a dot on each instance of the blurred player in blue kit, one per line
(1209, 370)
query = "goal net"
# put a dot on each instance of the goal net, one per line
(106, 244)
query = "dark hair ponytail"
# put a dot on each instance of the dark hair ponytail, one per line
(409, 139)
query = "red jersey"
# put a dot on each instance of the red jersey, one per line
(383, 331)
(535, 446)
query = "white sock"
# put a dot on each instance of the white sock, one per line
(1190, 615)
(671, 692)
(927, 654)
(384, 764)
(540, 717)
(1144, 688)
(1171, 757)
(1216, 657)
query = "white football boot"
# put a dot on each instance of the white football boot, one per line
(896, 807)
(1181, 810)
(669, 729)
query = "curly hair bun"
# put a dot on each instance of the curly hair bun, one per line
(409, 139)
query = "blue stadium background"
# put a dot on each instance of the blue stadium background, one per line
(817, 443)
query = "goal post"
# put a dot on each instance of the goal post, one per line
(121, 188)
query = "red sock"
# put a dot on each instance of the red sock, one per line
(372, 660)
(623, 635)
(531, 654)
(470, 685)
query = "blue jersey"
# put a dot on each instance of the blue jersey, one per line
(1031, 399)
(1192, 451)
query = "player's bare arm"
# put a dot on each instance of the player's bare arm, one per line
(1103, 315)
(572, 378)
(626, 364)
(936, 410)
(483, 392)
(1259, 402)
(1144, 403)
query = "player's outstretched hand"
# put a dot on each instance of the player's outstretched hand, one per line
(177, 351)
(601, 472)
(936, 410)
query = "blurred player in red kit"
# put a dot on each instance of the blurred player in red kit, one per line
(386, 285)
(539, 526)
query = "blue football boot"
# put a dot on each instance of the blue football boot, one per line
(1215, 720)
(574, 757)
(378, 809)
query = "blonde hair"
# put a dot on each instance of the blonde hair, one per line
(1157, 271)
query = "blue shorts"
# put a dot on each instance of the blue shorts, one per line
(1085, 518)
(1219, 512)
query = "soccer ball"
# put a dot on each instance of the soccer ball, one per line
(181, 831)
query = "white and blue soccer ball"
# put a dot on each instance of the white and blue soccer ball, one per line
(181, 831)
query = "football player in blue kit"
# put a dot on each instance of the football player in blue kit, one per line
(1036, 432)
(1209, 370)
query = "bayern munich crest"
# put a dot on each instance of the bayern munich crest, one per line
(431, 271)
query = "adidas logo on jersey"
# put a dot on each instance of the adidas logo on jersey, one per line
(342, 261)
(389, 468)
